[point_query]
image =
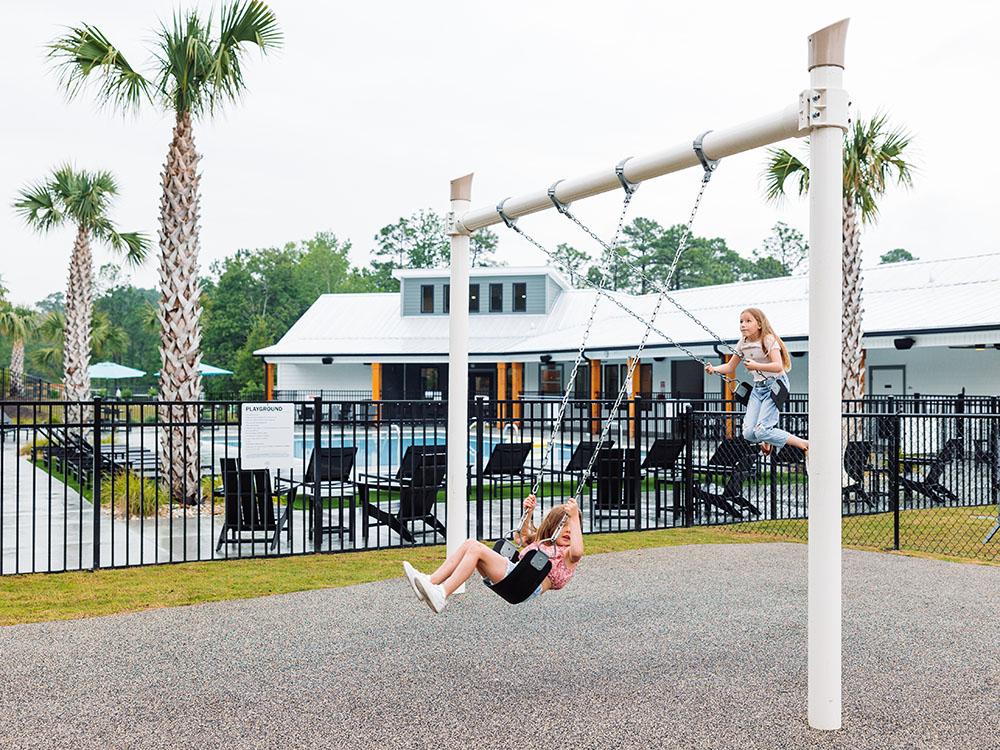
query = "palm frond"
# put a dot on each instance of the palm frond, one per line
(875, 156)
(133, 245)
(782, 164)
(39, 208)
(85, 50)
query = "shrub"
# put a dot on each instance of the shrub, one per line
(132, 492)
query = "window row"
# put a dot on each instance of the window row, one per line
(496, 300)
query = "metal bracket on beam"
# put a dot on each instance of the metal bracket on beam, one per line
(824, 108)
(561, 207)
(627, 186)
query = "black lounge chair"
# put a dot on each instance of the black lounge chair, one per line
(735, 461)
(661, 464)
(930, 486)
(334, 466)
(616, 476)
(250, 507)
(580, 458)
(507, 461)
(857, 462)
(419, 479)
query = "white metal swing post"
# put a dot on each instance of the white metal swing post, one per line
(821, 114)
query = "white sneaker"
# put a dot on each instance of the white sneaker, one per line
(411, 575)
(433, 594)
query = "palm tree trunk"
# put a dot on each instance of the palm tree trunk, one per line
(17, 368)
(79, 314)
(180, 315)
(852, 353)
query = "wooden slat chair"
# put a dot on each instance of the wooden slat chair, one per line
(734, 460)
(250, 507)
(930, 486)
(857, 463)
(418, 483)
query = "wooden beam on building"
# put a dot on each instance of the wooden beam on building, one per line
(595, 393)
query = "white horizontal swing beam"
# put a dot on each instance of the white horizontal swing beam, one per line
(717, 144)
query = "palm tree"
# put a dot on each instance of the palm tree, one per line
(83, 198)
(108, 341)
(197, 71)
(874, 157)
(17, 323)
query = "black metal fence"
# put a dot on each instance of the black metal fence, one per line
(109, 484)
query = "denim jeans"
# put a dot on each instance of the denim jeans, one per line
(760, 423)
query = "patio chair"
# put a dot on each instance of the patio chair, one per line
(507, 461)
(661, 464)
(580, 459)
(857, 462)
(930, 486)
(250, 507)
(735, 461)
(616, 476)
(334, 466)
(418, 493)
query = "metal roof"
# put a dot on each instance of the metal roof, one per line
(944, 301)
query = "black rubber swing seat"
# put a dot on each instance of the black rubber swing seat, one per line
(522, 581)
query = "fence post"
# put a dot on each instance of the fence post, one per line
(317, 498)
(96, 484)
(478, 411)
(637, 461)
(687, 430)
(894, 446)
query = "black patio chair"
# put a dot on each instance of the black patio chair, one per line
(734, 461)
(857, 462)
(507, 461)
(250, 507)
(930, 486)
(418, 492)
(334, 466)
(661, 464)
(579, 459)
(616, 476)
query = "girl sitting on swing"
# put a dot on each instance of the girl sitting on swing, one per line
(472, 557)
(765, 355)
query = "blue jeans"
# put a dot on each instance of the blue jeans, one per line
(760, 423)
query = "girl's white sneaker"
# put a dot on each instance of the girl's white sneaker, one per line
(411, 575)
(433, 594)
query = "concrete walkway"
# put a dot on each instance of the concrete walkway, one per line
(687, 647)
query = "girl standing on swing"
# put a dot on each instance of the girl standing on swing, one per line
(764, 354)
(472, 557)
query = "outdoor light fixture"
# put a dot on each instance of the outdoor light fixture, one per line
(327, 360)
(798, 354)
(546, 358)
(906, 342)
(659, 359)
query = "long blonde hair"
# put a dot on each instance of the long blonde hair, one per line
(767, 330)
(549, 524)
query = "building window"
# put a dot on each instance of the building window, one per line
(446, 302)
(496, 297)
(520, 296)
(426, 298)
(550, 378)
(430, 382)
(473, 297)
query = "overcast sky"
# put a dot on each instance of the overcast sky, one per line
(370, 108)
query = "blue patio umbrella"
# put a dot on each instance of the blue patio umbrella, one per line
(206, 371)
(113, 371)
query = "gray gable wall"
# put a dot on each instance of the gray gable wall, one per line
(541, 293)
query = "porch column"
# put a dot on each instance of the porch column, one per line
(727, 396)
(516, 386)
(633, 391)
(501, 391)
(377, 386)
(269, 381)
(595, 393)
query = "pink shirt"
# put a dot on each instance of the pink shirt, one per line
(561, 571)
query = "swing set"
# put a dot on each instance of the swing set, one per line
(820, 112)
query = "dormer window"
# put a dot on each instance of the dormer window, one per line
(426, 298)
(520, 296)
(496, 298)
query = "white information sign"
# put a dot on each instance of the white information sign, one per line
(267, 436)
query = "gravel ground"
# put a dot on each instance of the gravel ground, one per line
(686, 647)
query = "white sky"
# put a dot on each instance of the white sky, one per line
(372, 107)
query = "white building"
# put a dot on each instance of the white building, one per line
(929, 327)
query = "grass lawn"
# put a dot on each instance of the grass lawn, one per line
(62, 596)
(957, 532)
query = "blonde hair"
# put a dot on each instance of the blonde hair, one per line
(549, 524)
(767, 330)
